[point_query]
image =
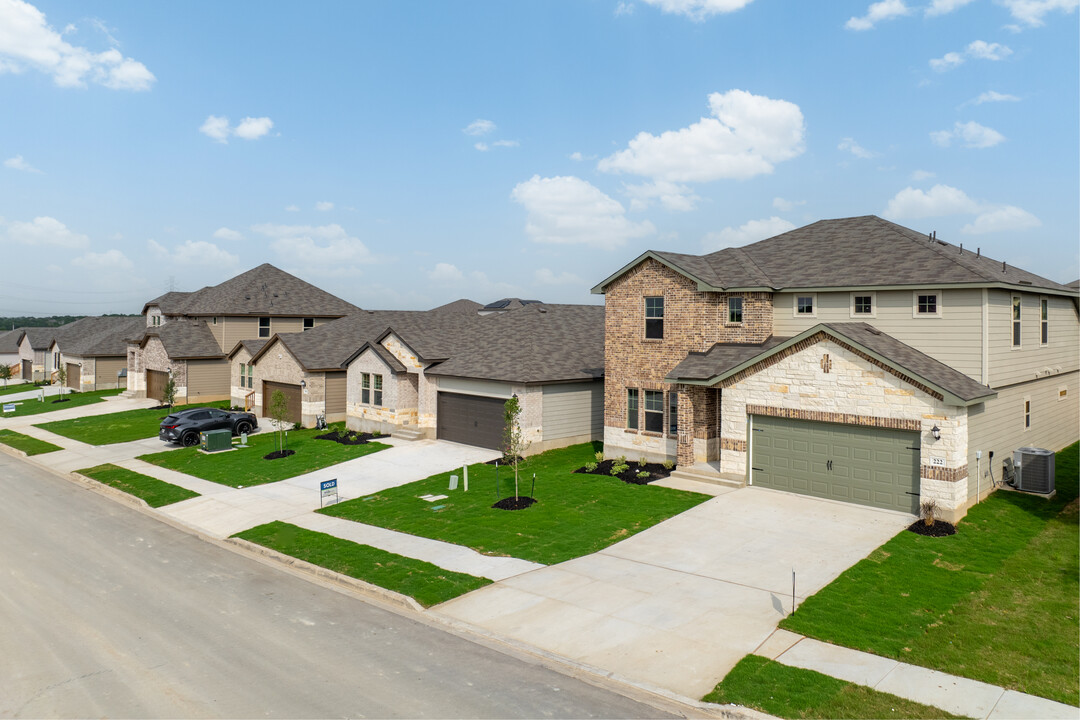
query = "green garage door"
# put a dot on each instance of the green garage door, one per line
(863, 465)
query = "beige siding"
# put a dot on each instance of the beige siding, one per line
(336, 385)
(207, 380)
(573, 410)
(1060, 355)
(998, 425)
(105, 371)
(286, 325)
(235, 329)
(218, 331)
(955, 338)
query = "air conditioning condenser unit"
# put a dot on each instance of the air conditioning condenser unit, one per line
(1034, 469)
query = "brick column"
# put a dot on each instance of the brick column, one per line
(685, 454)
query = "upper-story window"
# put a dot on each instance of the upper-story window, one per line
(264, 327)
(213, 320)
(926, 304)
(309, 323)
(863, 304)
(734, 309)
(155, 320)
(654, 318)
(805, 305)
(1044, 322)
(1016, 336)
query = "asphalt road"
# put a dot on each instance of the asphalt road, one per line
(104, 611)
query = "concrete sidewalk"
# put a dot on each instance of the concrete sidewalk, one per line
(957, 695)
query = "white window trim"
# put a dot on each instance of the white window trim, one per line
(1026, 408)
(1012, 297)
(795, 305)
(873, 304)
(1043, 299)
(915, 304)
(1063, 389)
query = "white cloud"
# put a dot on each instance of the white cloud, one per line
(944, 7)
(479, 127)
(194, 252)
(993, 96)
(445, 273)
(572, 211)
(972, 134)
(324, 205)
(940, 200)
(484, 147)
(671, 196)
(699, 10)
(27, 41)
(746, 233)
(922, 175)
(327, 249)
(783, 205)
(849, 145)
(253, 128)
(576, 157)
(225, 233)
(45, 231)
(624, 8)
(746, 137)
(1001, 219)
(292, 208)
(878, 12)
(17, 163)
(217, 128)
(106, 261)
(978, 49)
(1032, 12)
(545, 276)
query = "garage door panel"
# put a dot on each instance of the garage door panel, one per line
(470, 419)
(294, 396)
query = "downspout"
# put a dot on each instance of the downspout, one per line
(986, 336)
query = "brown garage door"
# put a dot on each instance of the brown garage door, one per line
(27, 369)
(74, 376)
(293, 395)
(155, 384)
(470, 420)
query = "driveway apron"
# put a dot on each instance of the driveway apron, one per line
(677, 605)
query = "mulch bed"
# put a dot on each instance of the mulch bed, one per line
(940, 528)
(61, 400)
(161, 407)
(504, 461)
(656, 471)
(278, 454)
(514, 503)
(350, 437)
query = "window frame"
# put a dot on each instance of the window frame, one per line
(1044, 320)
(1016, 321)
(251, 377)
(633, 408)
(673, 413)
(796, 310)
(376, 390)
(915, 303)
(853, 306)
(365, 388)
(654, 410)
(309, 323)
(654, 321)
(732, 301)
(265, 327)
(1027, 413)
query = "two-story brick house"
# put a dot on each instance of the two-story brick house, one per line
(187, 335)
(852, 359)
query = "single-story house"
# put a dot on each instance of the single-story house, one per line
(16, 351)
(93, 351)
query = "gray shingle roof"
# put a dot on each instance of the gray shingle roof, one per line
(40, 337)
(264, 290)
(1075, 285)
(98, 336)
(170, 303)
(862, 251)
(722, 360)
(184, 339)
(9, 341)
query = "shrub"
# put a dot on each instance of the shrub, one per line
(929, 511)
(642, 461)
(668, 464)
(600, 456)
(590, 466)
(643, 475)
(618, 468)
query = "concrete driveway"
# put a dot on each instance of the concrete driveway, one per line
(676, 606)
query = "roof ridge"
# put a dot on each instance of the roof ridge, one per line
(932, 244)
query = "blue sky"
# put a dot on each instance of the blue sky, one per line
(405, 154)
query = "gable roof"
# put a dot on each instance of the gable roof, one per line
(10, 341)
(40, 337)
(860, 252)
(184, 339)
(98, 336)
(261, 291)
(721, 362)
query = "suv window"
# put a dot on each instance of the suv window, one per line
(200, 415)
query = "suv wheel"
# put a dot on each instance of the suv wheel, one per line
(242, 427)
(189, 439)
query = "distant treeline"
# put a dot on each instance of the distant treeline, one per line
(7, 323)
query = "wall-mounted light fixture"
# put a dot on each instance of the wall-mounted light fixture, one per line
(303, 383)
(936, 432)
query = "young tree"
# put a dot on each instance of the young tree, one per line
(279, 411)
(61, 377)
(168, 393)
(514, 442)
(6, 372)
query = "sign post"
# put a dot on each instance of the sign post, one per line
(328, 488)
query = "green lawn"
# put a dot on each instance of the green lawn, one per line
(575, 514)
(789, 692)
(426, 583)
(155, 492)
(29, 445)
(997, 602)
(118, 427)
(17, 387)
(71, 399)
(246, 467)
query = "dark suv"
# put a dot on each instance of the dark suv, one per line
(184, 427)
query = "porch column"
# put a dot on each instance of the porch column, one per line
(685, 448)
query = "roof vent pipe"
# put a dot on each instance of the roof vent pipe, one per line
(961, 248)
(1002, 266)
(978, 252)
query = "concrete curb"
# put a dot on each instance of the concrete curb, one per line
(13, 452)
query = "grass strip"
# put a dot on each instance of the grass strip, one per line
(997, 602)
(118, 427)
(17, 388)
(426, 583)
(29, 445)
(789, 692)
(246, 467)
(575, 514)
(71, 399)
(155, 492)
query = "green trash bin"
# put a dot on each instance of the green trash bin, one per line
(215, 440)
